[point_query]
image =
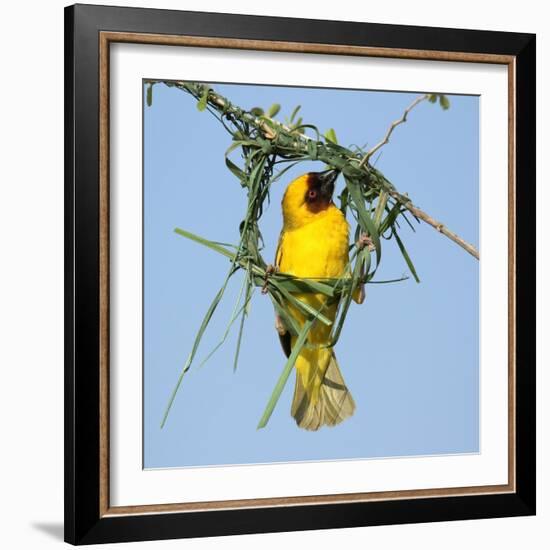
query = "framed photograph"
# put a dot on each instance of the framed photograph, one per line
(300, 274)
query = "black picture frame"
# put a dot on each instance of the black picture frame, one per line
(84, 523)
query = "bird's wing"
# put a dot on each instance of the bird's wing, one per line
(284, 334)
(279, 252)
(286, 343)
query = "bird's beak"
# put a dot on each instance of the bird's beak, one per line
(327, 180)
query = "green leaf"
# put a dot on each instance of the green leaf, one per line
(257, 111)
(196, 343)
(432, 98)
(289, 365)
(330, 135)
(389, 281)
(406, 256)
(289, 321)
(257, 171)
(235, 169)
(312, 149)
(294, 284)
(203, 101)
(150, 95)
(295, 112)
(405, 217)
(363, 259)
(382, 200)
(240, 143)
(306, 308)
(344, 198)
(278, 175)
(210, 244)
(248, 295)
(364, 219)
(234, 315)
(273, 110)
(444, 102)
(390, 218)
(338, 149)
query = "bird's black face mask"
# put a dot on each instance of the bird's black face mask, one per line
(320, 189)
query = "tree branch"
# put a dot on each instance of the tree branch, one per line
(393, 126)
(421, 215)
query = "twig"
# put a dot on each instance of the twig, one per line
(394, 125)
(406, 202)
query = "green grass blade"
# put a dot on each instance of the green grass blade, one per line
(234, 316)
(288, 320)
(235, 169)
(380, 207)
(364, 219)
(198, 338)
(388, 281)
(406, 256)
(201, 240)
(247, 298)
(289, 365)
(306, 308)
(203, 101)
(280, 174)
(362, 259)
(295, 284)
(295, 112)
(406, 218)
(389, 220)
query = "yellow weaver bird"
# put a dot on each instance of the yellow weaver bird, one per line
(314, 243)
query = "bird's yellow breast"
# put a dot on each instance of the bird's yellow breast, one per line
(317, 249)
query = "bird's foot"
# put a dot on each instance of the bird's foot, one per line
(365, 241)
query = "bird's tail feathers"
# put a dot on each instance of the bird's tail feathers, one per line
(329, 406)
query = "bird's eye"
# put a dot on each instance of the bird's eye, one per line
(312, 194)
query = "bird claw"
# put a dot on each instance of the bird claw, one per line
(365, 241)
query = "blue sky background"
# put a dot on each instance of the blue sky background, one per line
(409, 354)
